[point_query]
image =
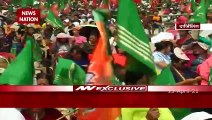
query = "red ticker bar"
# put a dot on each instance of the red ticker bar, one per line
(165, 89)
(36, 88)
(104, 100)
(180, 89)
(62, 96)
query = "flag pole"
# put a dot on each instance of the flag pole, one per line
(69, 113)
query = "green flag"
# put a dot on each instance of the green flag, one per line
(69, 73)
(165, 77)
(62, 4)
(116, 81)
(37, 52)
(15, 2)
(133, 39)
(168, 2)
(21, 70)
(26, 3)
(180, 113)
(193, 5)
(200, 14)
(208, 3)
(53, 20)
(49, 3)
(205, 40)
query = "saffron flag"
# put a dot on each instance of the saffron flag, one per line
(99, 114)
(133, 39)
(100, 70)
(21, 70)
(69, 73)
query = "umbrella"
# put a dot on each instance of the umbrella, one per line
(87, 30)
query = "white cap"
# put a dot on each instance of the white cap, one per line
(66, 20)
(180, 54)
(90, 20)
(202, 45)
(83, 15)
(88, 15)
(10, 114)
(81, 21)
(198, 116)
(161, 37)
(63, 35)
(4, 11)
(76, 23)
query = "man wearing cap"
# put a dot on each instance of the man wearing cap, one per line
(76, 18)
(182, 74)
(201, 54)
(62, 44)
(66, 23)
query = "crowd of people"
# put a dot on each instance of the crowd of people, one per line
(187, 52)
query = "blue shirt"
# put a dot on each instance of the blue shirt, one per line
(160, 57)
